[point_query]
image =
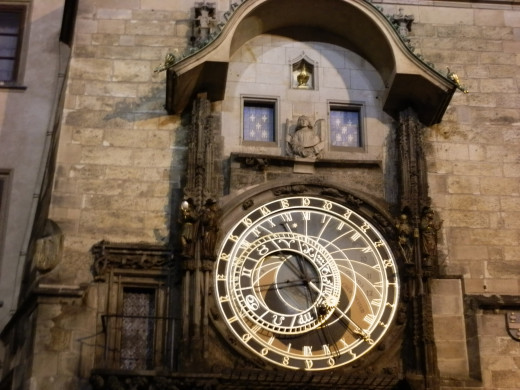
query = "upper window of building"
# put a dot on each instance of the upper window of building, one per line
(11, 33)
(345, 126)
(259, 120)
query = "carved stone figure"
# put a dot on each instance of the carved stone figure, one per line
(429, 227)
(189, 218)
(209, 221)
(306, 141)
(405, 232)
(49, 248)
(205, 21)
(403, 22)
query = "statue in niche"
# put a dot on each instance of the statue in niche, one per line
(189, 219)
(306, 140)
(303, 71)
(429, 227)
(209, 221)
(405, 234)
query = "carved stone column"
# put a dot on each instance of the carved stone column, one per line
(199, 220)
(418, 239)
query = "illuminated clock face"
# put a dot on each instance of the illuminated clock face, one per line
(306, 283)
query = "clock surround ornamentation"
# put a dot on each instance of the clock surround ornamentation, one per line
(305, 280)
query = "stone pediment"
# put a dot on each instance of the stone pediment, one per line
(356, 25)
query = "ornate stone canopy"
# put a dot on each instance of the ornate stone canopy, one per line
(356, 25)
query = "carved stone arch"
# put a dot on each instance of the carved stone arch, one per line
(375, 209)
(356, 25)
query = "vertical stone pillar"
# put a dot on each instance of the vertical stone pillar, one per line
(199, 216)
(420, 240)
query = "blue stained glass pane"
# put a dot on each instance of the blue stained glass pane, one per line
(258, 123)
(344, 128)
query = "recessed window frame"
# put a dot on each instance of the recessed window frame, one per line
(357, 107)
(163, 332)
(260, 101)
(22, 11)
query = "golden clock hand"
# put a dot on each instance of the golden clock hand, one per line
(358, 331)
(280, 285)
(315, 288)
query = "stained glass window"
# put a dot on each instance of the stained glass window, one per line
(259, 122)
(345, 127)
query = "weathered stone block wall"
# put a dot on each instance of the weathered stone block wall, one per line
(473, 153)
(120, 161)
(474, 180)
(449, 327)
(120, 154)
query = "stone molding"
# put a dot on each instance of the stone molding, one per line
(140, 256)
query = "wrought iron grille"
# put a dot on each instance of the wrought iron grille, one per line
(137, 342)
(137, 329)
(138, 339)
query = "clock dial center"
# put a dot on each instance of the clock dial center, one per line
(292, 283)
(291, 287)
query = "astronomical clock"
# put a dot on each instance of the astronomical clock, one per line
(306, 278)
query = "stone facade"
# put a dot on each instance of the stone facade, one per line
(121, 160)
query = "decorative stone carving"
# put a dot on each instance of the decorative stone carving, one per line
(405, 237)
(402, 22)
(143, 256)
(247, 379)
(48, 249)
(418, 241)
(209, 227)
(205, 23)
(290, 189)
(259, 163)
(429, 227)
(189, 223)
(513, 324)
(305, 141)
(199, 228)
